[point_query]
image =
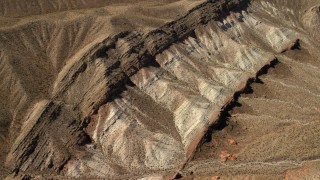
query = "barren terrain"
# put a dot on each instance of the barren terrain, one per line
(163, 89)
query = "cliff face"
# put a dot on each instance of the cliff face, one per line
(137, 103)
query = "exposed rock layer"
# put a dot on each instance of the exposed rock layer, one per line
(138, 104)
(275, 122)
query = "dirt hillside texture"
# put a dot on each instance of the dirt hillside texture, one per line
(225, 89)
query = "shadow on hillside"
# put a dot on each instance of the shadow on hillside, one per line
(222, 122)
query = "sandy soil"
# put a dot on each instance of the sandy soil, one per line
(270, 131)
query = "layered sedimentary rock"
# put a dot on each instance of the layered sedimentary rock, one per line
(275, 122)
(137, 104)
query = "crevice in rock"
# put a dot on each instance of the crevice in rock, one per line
(223, 119)
(61, 167)
(296, 45)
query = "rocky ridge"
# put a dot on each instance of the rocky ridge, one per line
(139, 104)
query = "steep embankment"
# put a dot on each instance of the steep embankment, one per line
(39, 38)
(85, 84)
(273, 129)
(138, 104)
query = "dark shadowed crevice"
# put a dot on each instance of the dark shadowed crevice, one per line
(296, 45)
(223, 119)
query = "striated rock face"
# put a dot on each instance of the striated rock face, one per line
(138, 104)
(275, 122)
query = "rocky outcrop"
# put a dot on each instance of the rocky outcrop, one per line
(275, 122)
(140, 103)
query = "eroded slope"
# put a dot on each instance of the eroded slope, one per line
(275, 122)
(138, 104)
(39, 38)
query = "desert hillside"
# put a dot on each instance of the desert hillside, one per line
(162, 89)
